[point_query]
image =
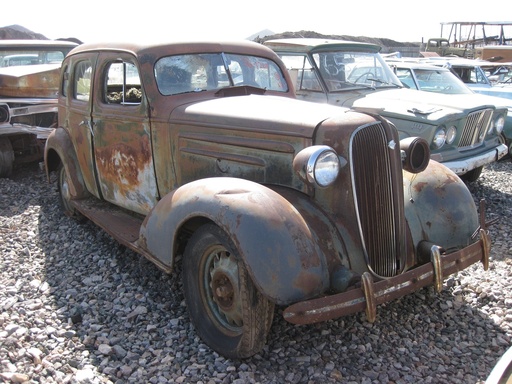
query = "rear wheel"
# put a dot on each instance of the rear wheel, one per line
(6, 157)
(229, 313)
(472, 175)
(65, 195)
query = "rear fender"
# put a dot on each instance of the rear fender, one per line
(59, 149)
(272, 238)
(439, 207)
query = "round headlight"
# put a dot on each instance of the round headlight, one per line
(318, 165)
(323, 167)
(450, 135)
(499, 124)
(439, 138)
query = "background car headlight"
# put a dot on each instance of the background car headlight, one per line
(450, 135)
(318, 165)
(439, 138)
(499, 123)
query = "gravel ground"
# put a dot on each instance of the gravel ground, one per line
(75, 307)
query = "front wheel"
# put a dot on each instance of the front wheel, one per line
(229, 313)
(6, 157)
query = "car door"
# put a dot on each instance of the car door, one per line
(77, 94)
(122, 134)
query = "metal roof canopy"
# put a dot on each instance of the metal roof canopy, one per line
(464, 33)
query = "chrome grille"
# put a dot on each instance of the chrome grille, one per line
(378, 190)
(475, 128)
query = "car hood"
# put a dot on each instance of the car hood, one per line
(414, 103)
(273, 114)
(40, 80)
(497, 91)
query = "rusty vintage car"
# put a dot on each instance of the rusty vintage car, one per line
(29, 82)
(201, 150)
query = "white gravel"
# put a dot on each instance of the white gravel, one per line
(75, 307)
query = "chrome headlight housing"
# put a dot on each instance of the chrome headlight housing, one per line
(439, 138)
(318, 165)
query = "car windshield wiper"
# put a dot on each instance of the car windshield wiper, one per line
(367, 86)
(384, 82)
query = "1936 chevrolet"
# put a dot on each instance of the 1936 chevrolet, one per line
(202, 150)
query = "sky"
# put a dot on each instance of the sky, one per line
(146, 20)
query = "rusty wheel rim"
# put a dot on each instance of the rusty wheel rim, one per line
(221, 284)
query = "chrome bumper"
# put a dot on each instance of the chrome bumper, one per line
(370, 294)
(461, 167)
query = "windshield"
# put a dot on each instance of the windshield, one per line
(22, 56)
(431, 80)
(211, 71)
(339, 71)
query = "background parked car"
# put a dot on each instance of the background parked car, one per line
(354, 75)
(201, 150)
(29, 84)
(430, 78)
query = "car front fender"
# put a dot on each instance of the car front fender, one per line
(439, 207)
(59, 149)
(272, 238)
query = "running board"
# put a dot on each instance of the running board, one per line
(118, 223)
(115, 221)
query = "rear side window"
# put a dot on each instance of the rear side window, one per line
(303, 74)
(65, 81)
(122, 84)
(82, 80)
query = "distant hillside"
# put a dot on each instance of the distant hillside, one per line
(17, 32)
(383, 42)
(12, 32)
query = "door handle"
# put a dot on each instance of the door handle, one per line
(88, 123)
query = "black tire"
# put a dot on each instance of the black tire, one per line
(230, 315)
(472, 175)
(6, 157)
(65, 196)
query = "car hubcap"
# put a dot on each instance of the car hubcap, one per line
(223, 286)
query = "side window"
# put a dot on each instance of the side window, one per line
(82, 80)
(302, 73)
(122, 84)
(65, 81)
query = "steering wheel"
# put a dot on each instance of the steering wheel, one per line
(332, 70)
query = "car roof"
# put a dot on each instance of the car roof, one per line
(16, 44)
(310, 45)
(415, 65)
(460, 62)
(156, 50)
